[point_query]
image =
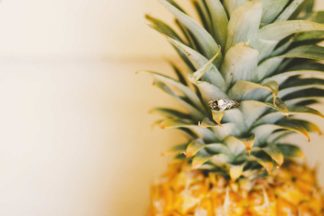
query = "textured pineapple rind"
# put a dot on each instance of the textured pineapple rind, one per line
(289, 191)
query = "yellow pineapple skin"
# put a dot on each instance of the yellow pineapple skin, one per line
(291, 190)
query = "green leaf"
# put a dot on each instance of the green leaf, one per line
(318, 17)
(189, 37)
(283, 46)
(271, 9)
(308, 52)
(306, 102)
(219, 20)
(268, 67)
(278, 135)
(198, 161)
(309, 65)
(162, 27)
(207, 123)
(176, 84)
(244, 23)
(264, 160)
(300, 126)
(305, 10)
(239, 63)
(180, 75)
(176, 123)
(275, 153)
(183, 101)
(252, 110)
(201, 72)
(270, 118)
(279, 30)
(176, 150)
(236, 171)
(312, 37)
(210, 92)
(290, 151)
(264, 131)
(203, 14)
(193, 148)
(282, 77)
(290, 90)
(205, 40)
(203, 66)
(305, 93)
(171, 113)
(216, 148)
(232, 5)
(235, 116)
(245, 90)
(227, 129)
(218, 116)
(306, 110)
(297, 81)
(288, 12)
(235, 146)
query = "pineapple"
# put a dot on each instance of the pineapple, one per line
(250, 70)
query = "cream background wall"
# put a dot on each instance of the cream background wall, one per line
(75, 135)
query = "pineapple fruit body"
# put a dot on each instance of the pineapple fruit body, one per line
(250, 72)
(289, 191)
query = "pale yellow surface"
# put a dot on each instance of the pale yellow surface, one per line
(76, 138)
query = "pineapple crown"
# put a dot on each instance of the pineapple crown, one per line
(264, 57)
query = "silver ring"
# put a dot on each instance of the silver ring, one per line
(223, 104)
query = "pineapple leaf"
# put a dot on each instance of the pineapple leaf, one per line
(201, 72)
(271, 9)
(308, 52)
(162, 27)
(290, 151)
(199, 160)
(264, 160)
(205, 40)
(297, 81)
(193, 148)
(278, 135)
(176, 84)
(317, 16)
(270, 118)
(203, 66)
(305, 10)
(279, 30)
(289, 11)
(300, 126)
(275, 153)
(305, 93)
(304, 109)
(252, 110)
(232, 5)
(239, 63)
(219, 20)
(180, 75)
(267, 67)
(236, 171)
(245, 90)
(183, 101)
(171, 113)
(244, 23)
(210, 92)
(203, 13)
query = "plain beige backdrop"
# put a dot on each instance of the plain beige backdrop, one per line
(75, 133)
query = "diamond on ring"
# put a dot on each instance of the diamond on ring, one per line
(223, 104)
